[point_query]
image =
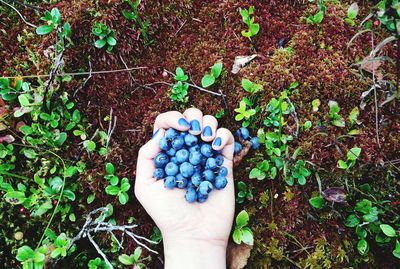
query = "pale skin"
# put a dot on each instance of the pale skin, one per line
(194, 235)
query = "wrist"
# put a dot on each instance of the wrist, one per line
(194, 253)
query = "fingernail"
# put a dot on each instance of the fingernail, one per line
(207, 131)
(217, 141)
(194, 125)
(155, 133)
(183, 122)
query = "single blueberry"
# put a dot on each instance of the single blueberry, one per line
(196, 179)
(195, 126)
(171, 152)
(181, 181)
(183, 122)
(195, 158)
(217, 142)
(201, 198)
(191, 195)
(161, 160)
(171, 169)
(219, 159)
(186, 169)
(220, 182)
(178, 143)
(170, 182)
(211, 163)
(255, 143)
(223, 171)
(164, 143)
(194, 148)
(207, 131)
(158, 173)
(171, 133)
(238, 133)
(205, 187)
(208, 175)
(182, 155)
(190, 140)
(244, 132)
(238, 147)
(206, 150)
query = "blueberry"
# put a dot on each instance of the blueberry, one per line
(182, 155)
(171, 152)
(206, 150)
(238, 133)
(186, 169)
(190, 140)
(223, 171)
(208, 175)
(211, 163)
(161, 160)
(170, 182)
(201, 198)
(178, 143)
(196, 179)
(194, 148)
(220, 160)
(171, 133)
(164, 143)
(238, 147)
(245, 133)
(174, 160)
(181, 181)
(205, 187)
(255, 143)
(171, 169)
(191, 195)
(220, 182)
(158, 173)
(195, 158)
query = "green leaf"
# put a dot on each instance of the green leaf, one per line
(61, 139)
(89, 145)
(361, 232)
(23, 99)
(318, 17)
(317, 202)
(24, 253)
(72, 217)
(112, 190)
(38, 257)
(342, 164)
(388, 230)
(123, 198)
(207, 81)
(15, 197)
(396, 251)
(237, 236)
(137, 253)
(90, 199)
(353, 154)
(110, 169)
(351, 221)
(111, 41)
(100, 43)
(352, 12)
(242, 219)
(44, 29)
(216, 70)
(254, 29)
(247, 236)
(362, 247)
(125, 259)
(180, 75)
(69, 194)
(125, 185)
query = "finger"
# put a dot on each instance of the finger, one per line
(195, 118)
(210, 125)
(171, 119)
(224, 141)
(145, 164)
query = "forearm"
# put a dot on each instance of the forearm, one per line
(194, 254)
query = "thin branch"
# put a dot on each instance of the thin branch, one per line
(100, 252)
(111, 127)
(86, 80)
(22, 17)
(375, 95)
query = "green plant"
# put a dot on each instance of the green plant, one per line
(244, 113)
(389, 15)
(299, 173)
(318, 17)
(106, 36)
(134, 15)
(352, 156)
(317, 202)
(261, 170)
(334, 116)
(179, 90)
(209, 79)
(133, 259)
(30, 258)
(156, 236)
(244, 192)
(8, 91)
(251, 87)
(315, 105)
(98, 264)
(52, 19)
(220, 113)
(352, 13)
(248, 19)
(242, 232)
(60, 246)
(114, 189)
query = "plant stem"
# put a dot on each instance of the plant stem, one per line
(14, 175)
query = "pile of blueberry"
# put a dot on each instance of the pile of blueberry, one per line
(243, 134)
(187, 163)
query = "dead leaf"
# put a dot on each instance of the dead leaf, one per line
(7, 139)
(238, 255)
(371, 64)
(242, 61)
(335, 194)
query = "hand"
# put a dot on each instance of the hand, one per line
(194, 235)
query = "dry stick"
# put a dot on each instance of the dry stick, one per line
(99, 251)
(111, 127)
(183, 24)
(375, 95)
(79, 73)
(22, 17)
(131, 78)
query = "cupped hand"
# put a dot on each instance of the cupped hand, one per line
(180, 222)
